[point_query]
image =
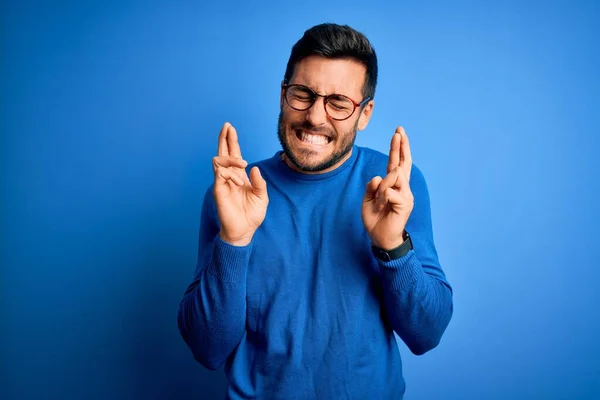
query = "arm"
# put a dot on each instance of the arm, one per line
(417, 297)
(212, 313)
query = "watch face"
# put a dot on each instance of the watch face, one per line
(381, 254)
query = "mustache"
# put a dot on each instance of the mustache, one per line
(308, 127)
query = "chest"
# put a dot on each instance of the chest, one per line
(310, 250)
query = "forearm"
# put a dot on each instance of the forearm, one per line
(418, 304)
(212, 313)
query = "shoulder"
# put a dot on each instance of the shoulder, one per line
(266, 164)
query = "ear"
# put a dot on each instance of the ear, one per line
(365, 115)
(281, 96)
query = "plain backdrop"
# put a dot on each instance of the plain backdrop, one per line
(110, 113)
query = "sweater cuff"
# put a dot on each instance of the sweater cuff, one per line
(229, 262)
(402, 273)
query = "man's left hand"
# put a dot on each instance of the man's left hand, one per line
(388, 201)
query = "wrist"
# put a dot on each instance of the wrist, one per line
(239, 241)
(388, 245)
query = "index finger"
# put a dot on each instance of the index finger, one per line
(223, 149)
(394, 159)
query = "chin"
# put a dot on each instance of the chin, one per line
(310, 160)
(310, 164)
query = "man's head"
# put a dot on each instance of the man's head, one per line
(317, 132)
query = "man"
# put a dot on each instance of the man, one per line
(310, 262)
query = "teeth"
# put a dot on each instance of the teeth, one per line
(314, 139)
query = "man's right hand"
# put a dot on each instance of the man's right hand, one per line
(241, 202)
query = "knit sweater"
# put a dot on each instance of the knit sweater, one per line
(305, 311)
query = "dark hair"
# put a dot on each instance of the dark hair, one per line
(336, 41)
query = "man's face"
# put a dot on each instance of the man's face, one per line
(313, 141)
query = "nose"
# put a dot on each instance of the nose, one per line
(316, 115)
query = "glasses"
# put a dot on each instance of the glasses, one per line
(337, 106)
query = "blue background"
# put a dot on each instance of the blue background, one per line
(110, 113)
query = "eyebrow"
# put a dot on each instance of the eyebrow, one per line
(316, 91)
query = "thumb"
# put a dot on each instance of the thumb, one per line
(372, 187)
(259, 185)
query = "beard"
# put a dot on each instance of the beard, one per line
(345, 146)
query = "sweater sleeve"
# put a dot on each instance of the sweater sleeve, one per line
(212, 313)
(417, 296)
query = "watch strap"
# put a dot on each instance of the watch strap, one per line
(393, 254)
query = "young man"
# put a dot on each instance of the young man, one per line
(309, 261)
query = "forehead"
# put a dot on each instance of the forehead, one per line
(327, 76)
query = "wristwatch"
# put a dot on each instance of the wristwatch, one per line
(400, 251)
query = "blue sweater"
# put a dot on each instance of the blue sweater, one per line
(305, 311)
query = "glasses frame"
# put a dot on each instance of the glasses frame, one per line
(315, 95)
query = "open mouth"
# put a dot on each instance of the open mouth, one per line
(310, 138)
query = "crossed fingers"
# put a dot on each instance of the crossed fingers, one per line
(400, 155)
(229, 165)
